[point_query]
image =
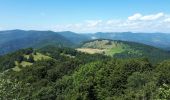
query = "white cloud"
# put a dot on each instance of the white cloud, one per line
(153, 17)
(139, 16)
(136, 16)
(159, 22)
(167, 20)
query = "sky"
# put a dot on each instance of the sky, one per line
(86, 15)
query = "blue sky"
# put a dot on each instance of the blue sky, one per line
(85, 15)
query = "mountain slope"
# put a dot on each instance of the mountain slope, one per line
(17, 39)
(124, 49)
(75, 37)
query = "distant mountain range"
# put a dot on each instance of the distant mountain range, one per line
(17, 39)
(161, 40)
(13, 40)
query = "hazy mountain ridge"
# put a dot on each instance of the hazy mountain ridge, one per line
(17, 39)
(75, 37)
(161, 40)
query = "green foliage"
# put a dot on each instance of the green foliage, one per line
(164, 92)
(125, 49)
(100, 80)
(67, 74)
(9, 88)
(141, 86)
(163, 69)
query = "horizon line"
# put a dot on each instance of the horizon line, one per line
(86, 32)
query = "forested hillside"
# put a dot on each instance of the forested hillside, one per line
(52, 73)
(19, 39)
(124, 49)
(76, 38)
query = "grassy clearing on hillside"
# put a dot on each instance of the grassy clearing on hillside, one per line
(24, 63)
(40, 56)
(16, 68)
(103, 47)
(113, 51)
(108, 47)
(109, 52)
(37, 56)
(90, 50)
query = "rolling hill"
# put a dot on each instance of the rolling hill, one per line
(124, 49)
(18, 39)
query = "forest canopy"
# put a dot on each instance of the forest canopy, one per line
(52, 73)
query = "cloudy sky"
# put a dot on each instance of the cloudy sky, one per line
(86, 15)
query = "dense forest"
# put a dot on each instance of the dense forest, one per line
(53, 73)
